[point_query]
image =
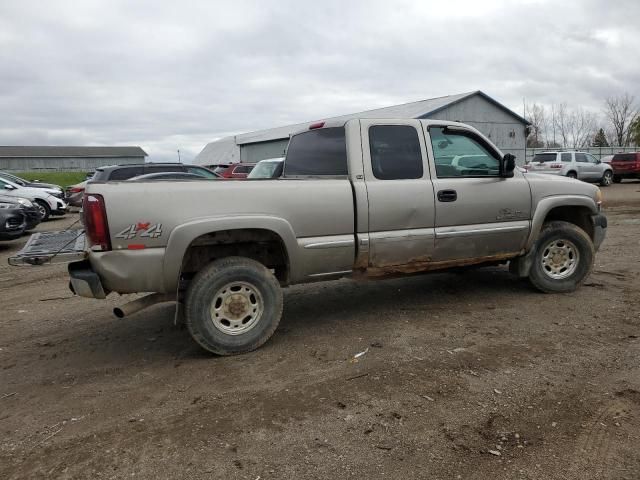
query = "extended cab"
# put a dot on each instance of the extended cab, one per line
(364, 199)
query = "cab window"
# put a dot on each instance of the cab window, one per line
(395, 152)
(460, 155)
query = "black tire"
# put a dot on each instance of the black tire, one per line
(607, 178)
(572, 174)
(617, 179)
(210, 285)
(557, 231)
(45, 210)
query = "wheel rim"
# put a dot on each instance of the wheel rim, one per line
(559, 259)
(608, 178)
(236, 308)
(42, 210)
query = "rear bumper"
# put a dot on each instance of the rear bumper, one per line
(84, 281)
(599, 229)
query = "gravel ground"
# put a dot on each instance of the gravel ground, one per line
(466, 376)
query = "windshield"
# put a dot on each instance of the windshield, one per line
(267, 169)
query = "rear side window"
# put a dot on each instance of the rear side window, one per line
(624, 157)
(395, 152)
(125, 173)
(317, 152)
(565, 157)
(581, 157)
(203, 172)
(546, 157)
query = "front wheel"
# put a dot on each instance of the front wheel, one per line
(233, 305)
(607, 178)
(44, 209)
(563, 258)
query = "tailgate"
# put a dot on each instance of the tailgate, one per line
(52, 247)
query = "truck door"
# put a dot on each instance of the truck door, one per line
(478, 212)
(399, 192)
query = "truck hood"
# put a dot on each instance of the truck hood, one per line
(543, 185)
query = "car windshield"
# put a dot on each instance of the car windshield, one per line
(544, 157)
(14, 179)
(266, 169)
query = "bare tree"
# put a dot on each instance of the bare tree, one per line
(561, 123)
(574, 126)
(621, 113)
(536, 115)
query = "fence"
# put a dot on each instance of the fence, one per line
(598, 152)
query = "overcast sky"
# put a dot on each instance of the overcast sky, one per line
(170, 75)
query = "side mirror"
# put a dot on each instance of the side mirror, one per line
(508, 165)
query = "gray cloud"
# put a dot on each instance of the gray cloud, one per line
(169, 75)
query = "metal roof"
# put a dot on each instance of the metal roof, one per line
(226, 149)
(57, 152)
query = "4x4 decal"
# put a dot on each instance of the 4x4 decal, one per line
(144, 229)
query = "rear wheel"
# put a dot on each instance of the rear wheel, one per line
(563, 258)
(233, 305)
(617, 179)
(607, 178)
(44, 209)
(572, 175)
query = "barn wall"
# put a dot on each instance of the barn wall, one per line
(25, 164)
(505, 131)
(254, 152)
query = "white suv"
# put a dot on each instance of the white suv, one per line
(580, 165)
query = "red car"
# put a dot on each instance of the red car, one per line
(233, 170)
(625, 165)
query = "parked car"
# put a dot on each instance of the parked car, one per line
(47, 203)
(74, 193)
(380, 208)
(168, 176)
(234, 170)
(580, 165)
(29, 208)
(13, 221)
(268, 168)
(36, 184)
(125, 172)
(625, 165)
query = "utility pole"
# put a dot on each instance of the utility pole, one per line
(179, 160)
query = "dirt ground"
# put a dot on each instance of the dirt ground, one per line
(466, 376)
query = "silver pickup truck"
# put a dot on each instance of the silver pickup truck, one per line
(362, 199)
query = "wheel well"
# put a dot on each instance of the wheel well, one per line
(579, 216)
(261, 245)
(572, 171)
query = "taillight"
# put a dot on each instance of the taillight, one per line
(95, 222)
(76, 189)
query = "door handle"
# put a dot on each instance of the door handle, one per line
(447, 196)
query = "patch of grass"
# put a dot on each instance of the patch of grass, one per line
(64, 179)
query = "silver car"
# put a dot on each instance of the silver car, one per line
(580, 165)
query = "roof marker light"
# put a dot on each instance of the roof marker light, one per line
(316, 125)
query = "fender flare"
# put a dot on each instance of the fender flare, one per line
(547, 204)
(182, 236)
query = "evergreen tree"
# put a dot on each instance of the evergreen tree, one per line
(600, 139)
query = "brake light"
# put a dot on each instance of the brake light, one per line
(76, 189)
(316, 125)
(95, 222)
